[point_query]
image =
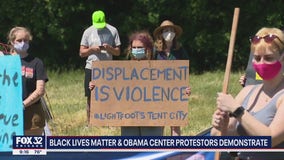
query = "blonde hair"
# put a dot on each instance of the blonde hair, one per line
(12, 34)
(276, 46)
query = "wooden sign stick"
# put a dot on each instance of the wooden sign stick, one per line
(229, 59)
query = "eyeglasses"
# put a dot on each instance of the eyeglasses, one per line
(268, 39)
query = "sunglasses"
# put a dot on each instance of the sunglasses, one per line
(268, 39)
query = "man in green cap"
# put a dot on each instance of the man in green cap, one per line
(99, 42)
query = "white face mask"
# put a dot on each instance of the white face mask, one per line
(21, 46)
(169, 36)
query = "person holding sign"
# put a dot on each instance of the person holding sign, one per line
(167, 47)
(140, 46)
(258, 109)
(141, 49)
(34, 78)
(99, 42)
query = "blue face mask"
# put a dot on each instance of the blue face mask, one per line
(138, 53)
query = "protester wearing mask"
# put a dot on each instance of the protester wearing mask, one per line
(258, 109)
(141, 48)
(34, 78)
(166, 43)
(167, 47)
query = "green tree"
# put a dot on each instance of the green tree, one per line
(57, 26)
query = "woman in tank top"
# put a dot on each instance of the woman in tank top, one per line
(258, 109)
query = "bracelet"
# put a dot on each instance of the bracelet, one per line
(238, 112)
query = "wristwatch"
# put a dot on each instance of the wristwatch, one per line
(238, 112)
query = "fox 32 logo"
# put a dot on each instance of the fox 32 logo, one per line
(28, 142)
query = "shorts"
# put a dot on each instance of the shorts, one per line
(88, 76)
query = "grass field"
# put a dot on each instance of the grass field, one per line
(66, 96)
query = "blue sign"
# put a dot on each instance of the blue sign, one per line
(11, 103)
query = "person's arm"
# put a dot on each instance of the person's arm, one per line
(175, 131)
(86, 51)
(92, 85)
(112, 50)
(276, 129)
(221, 123)
(36, 94)
(242, 80)
(252, 126)
(220, 119)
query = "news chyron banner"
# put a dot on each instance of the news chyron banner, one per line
(140, 93)
(11, 104)
(146, 147)
(186, 143)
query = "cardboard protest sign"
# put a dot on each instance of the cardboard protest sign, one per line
(11, 103)
(140, 93)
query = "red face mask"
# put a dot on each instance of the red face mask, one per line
(267, 71)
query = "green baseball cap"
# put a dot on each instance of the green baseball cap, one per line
(98, 18)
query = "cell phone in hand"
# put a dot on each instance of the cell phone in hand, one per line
(102, 47)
